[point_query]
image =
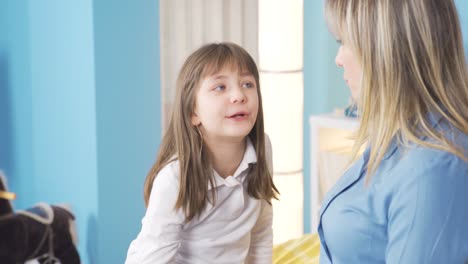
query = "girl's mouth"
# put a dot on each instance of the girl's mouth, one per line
(238, 115)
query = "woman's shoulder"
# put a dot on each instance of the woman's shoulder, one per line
(423, 163)
(432, 156)
(420, 169)
(452, 133)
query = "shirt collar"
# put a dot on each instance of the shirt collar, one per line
(433, 119)
(250, 157)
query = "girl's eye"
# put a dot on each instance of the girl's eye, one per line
(248, 85)
(219, 88)
(339, 42)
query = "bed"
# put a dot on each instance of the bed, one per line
(305, 249)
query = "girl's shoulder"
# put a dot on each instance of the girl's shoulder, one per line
(169, 173)
(268, 153)
(267, 143)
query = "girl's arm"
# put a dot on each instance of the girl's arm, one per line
(159, 238)
(261, 243)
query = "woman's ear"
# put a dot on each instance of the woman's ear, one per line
(195, 120)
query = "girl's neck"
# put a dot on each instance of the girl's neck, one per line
(226, 155)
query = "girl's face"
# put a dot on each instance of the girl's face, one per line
(226, 105)
(346, 59)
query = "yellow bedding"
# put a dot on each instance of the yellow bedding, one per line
(305, 249)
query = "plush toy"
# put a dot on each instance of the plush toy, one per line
(43, 232)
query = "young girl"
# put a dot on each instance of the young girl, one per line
(208, 194)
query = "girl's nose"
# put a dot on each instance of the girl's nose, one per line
(238, 95)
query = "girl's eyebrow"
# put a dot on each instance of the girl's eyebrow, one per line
(220, 77)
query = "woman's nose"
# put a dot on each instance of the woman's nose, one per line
(338, 58)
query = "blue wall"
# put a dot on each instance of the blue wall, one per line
(5, 109)
(63, 127)
(128, 116)
(48, 119)
(15, 99)
(462, 6)
(324, 88)
(80, 112)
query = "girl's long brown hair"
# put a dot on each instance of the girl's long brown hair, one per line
(183, 142)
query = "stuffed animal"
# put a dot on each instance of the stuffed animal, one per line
(43, 232)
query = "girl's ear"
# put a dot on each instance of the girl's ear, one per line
(195, 120)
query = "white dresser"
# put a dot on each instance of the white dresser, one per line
(330, 146)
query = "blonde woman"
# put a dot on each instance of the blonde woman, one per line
(404, 200)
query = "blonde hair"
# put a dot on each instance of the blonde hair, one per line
(183, 142)
(413, 63)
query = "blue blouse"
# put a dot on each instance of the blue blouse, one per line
(414, 209)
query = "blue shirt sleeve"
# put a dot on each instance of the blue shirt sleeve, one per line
(428, 214)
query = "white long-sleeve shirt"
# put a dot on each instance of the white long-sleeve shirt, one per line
(236, 229)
